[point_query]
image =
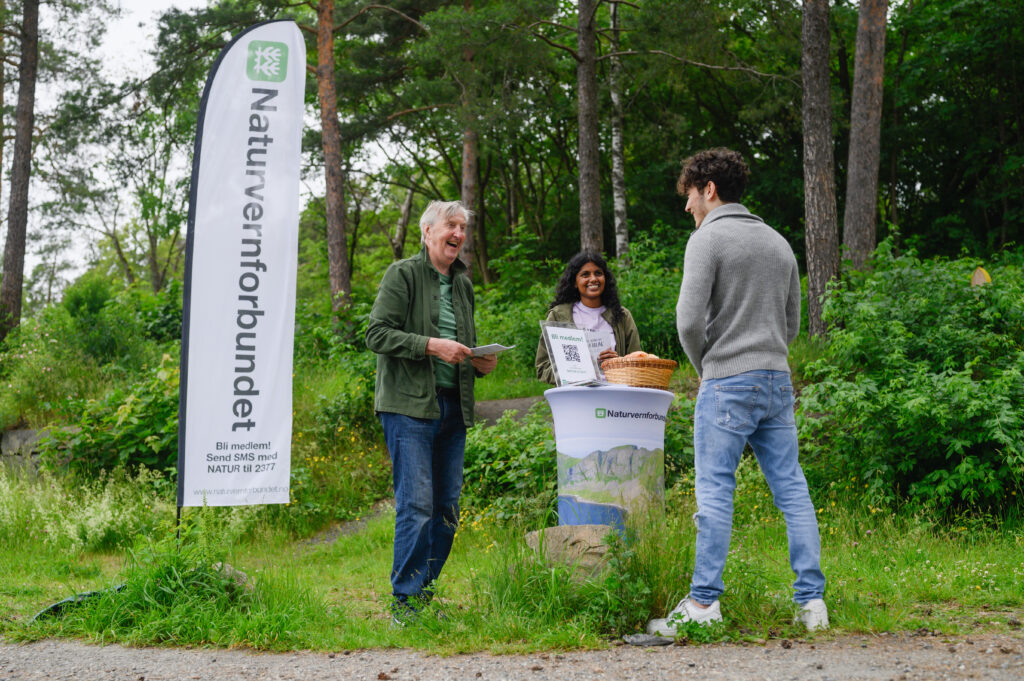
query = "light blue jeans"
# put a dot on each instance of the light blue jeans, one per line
(754, 407)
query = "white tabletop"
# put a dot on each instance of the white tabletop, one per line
(603, 389)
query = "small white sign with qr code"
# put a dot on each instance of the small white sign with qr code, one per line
(570, 354)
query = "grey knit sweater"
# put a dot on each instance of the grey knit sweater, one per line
(739, 303)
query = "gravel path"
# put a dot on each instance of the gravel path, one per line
(488, 411)
(899, 657)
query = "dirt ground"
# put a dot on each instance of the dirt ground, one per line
(889, 657)
(489, 411)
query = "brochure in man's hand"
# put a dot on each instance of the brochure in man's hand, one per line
(492, 349)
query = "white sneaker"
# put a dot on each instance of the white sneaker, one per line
(685, 611)
(814, 615)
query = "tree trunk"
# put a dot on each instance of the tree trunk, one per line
(155, 276)
(820, 229)
(50, 279)
(894, 156)
(3, 100)
(398, 242)
(481, 223)
(353, 221)
(861, 215)
(338, 272)
(618, 152)
(470, 160)
(21, 168)
(591, 236)
(513, 192)
(126, 267)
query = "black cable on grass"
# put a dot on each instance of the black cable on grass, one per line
(59, 608)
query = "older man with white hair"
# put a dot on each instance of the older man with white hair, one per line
(422, 329)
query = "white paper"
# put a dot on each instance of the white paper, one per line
(492, 349)
(600, 341)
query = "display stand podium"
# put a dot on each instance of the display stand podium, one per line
(611, 451)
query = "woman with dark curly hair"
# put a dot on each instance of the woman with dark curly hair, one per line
(587, 296)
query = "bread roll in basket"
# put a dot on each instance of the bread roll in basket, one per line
(640, 370)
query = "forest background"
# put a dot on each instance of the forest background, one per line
(884, 139)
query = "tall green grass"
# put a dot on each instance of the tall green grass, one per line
(73, 515)
(886, 572)
(178, 591)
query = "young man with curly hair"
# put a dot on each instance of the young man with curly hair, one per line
(738, 310)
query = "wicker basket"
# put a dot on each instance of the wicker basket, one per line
(643, 372)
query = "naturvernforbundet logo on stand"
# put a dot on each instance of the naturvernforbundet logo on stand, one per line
(601, 412)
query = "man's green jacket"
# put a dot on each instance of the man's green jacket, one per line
(403, 317)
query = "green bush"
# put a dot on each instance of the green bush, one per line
(649, 287)
(339, 462)
(106, 323)
(525, 263)
(511, 470)
(920, 394)
(159, 314)
(679, 439)
(319, 337)
(343, 403)
(97, 338)
(43, 373)
(510, 311)
(128, 427)
(88, 295)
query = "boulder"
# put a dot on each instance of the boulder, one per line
(18, 447)
(581, 546)
(238, 581)
(19, 442)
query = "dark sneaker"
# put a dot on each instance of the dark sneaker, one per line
(402, 613)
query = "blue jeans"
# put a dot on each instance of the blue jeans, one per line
(754, 407)
(426, 461)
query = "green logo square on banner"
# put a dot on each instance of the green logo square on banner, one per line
(267, 61)
(600, 413)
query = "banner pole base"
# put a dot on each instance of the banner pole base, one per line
(177, 530)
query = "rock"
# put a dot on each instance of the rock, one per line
(647, 640)
(19, 442)
(18, 447)
(239, 579)
(581, 546)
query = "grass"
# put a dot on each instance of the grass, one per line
(886, 572)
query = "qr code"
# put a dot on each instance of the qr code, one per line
(572, 353)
